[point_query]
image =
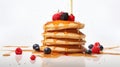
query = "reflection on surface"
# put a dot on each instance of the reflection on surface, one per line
(57, 60)
(18, 58)
(63, 61)
(32, 61)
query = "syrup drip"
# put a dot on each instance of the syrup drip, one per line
(56, 24)
(66, 24)
(55, 33)
(45, 40)
(54, 41)
(54, 48)
(45, 28)
(65, 35)
(55, 55)
(66, 50)
(42, 47)
(79, 46)
(78, 31)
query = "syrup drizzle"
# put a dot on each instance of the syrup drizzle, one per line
(54, 54)
(66, 50)
(110, 53)
(112, 47)
(45, 40)
(56, 24)
(54, 40)
(65, 35)
(16, 46)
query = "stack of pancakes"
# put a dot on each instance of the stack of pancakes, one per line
(63, 36)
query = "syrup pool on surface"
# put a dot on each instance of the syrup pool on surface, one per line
(107, 51)
(60, 60)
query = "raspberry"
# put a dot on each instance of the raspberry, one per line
(97, 44)
(96, 50)
(71, 17)
(18, 51)
(57, 16)
(33, 57)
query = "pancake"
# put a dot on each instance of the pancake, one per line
(64, 49)
(79, 35)
(66, 30)
(63, 36)
(59, 25)
(63, 42)
(67, 46)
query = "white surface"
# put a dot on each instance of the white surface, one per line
(21, 21)
(63, 61)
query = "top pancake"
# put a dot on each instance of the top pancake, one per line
(59, 25)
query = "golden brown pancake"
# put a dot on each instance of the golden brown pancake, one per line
(59, 25)
(66, 30)
(64, 49)
(67, 46)
(63, 42)
(70, 35)
(63, 36)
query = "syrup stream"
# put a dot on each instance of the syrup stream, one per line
(71, 6)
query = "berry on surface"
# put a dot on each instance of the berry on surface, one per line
(36, 47)
(88, 51)
(33, 57)
(47, 50)
(90, 46)
(101, 47)
(96, 50)
(18, 51)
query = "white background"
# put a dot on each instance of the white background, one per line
(21, 21)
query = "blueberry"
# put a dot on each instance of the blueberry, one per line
(101, 47)
(88, 51)
(90, 46)
(36, 47)
(47, 50)
(64, 16)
